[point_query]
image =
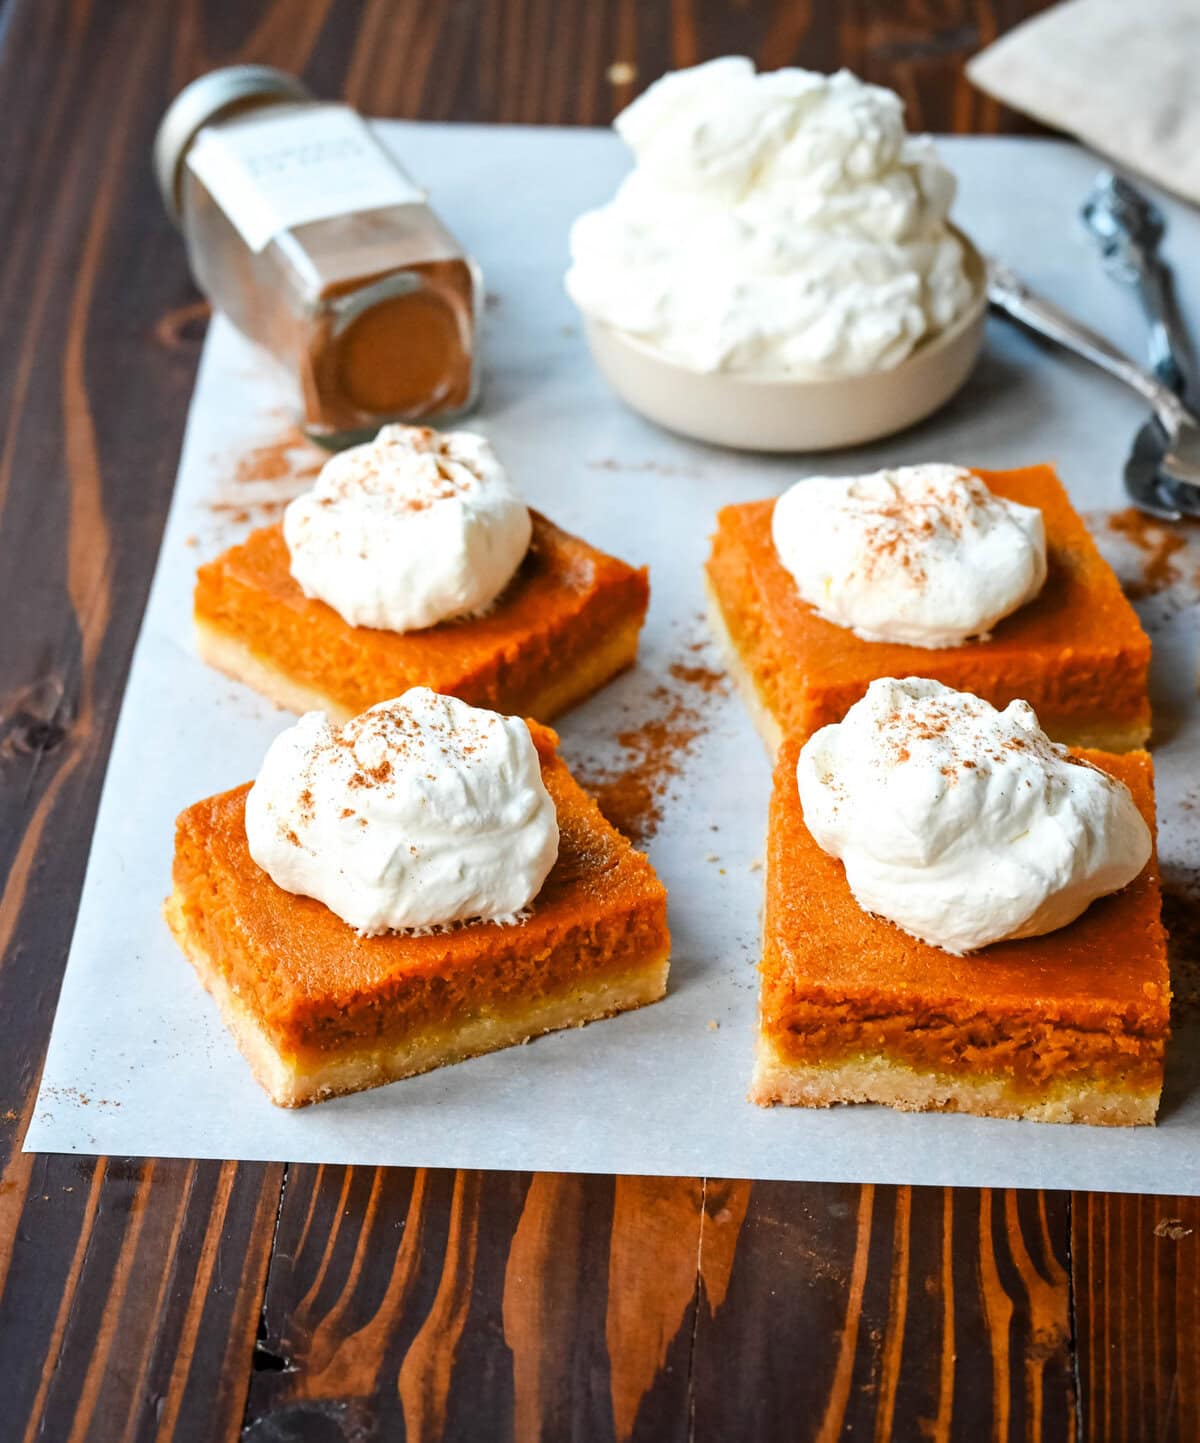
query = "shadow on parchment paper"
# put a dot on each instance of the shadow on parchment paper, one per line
(1172, 679)
(1182, 1079)
(982, 415)
(1181, 916)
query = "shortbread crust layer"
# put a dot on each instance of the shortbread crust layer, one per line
(893, 1082)
(294, 1081)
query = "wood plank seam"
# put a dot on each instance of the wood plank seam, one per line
(690, 1392)
(1072, 1321)
(261, 1353)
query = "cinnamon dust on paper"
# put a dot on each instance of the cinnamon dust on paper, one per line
(290, 457)
(633, 793)
(710, 682)
(262, 480)
(1159, 545)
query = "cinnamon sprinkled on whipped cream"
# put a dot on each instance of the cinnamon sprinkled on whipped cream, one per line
(923, 555)
(422, 812)
(414, 528)
(962, 824)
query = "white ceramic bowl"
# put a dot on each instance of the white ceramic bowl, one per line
(786, 413)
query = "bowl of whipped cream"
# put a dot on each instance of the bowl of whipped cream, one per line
(778, 271)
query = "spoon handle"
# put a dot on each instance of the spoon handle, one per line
(1009, 294)
(1166, 349)
(1128, 229)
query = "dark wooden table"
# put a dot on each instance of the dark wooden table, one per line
(176, 1300)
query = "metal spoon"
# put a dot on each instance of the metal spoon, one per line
(1145, 485)
(1129, 228)
(1180, 459)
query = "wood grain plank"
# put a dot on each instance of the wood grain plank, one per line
(417, 1304)
(132, 1298)
(895, 1326)
(552, 1307)
(653, 1275)
(1137, 1316)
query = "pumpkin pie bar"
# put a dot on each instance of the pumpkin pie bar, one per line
(567, 623)
(1070, 1026)
(1077, 652)
(319, 1010)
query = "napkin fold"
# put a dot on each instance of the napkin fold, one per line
(1122, 75)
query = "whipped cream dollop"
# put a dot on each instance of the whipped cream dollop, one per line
(781, 223)
(418, 813)
(925, 555)
(962, 824)
(415, 527)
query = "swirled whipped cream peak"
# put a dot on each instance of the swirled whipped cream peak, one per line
(419, 813)
(415, 527)
(782, 223)
(923, 555)
(962, 824)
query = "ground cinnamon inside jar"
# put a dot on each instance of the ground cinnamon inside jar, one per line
(311, 238)
(406, 355)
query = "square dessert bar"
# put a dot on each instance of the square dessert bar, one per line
(1069, 1027)
(567, 623)
(1076, 653)
(318, 1010)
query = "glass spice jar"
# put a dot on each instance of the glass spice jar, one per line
(311, 238)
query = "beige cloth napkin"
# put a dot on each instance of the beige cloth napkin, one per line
(1122, 75)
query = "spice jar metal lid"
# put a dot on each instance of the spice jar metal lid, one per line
(205, 99)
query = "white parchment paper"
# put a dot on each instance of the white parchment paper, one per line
(139, 1062)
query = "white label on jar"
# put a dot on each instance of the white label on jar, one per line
(278, 171)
